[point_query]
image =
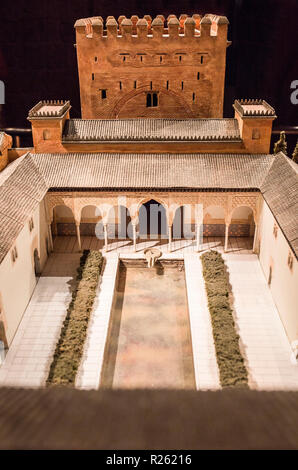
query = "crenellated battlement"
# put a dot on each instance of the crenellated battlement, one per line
(49, 109)
(184, 26)
(254, 108)
(152, 67)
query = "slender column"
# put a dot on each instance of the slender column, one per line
(199, 235)
(105, 228)
(254, 249)
(50, 237)
(170, 238)
(134, 229)
(226, 237)
(78, 236)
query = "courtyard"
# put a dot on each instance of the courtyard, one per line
(263, 340)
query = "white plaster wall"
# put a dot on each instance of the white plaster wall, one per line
(274, 252)
(17, 279)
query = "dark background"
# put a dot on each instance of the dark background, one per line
(38, 59)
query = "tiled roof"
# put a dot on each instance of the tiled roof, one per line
(160, 171)
(280, 191)
(22, 187)
(94, 130)
(24, 182)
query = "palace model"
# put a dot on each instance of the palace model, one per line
(152, 133)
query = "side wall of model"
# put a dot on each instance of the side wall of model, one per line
(17, 273)
(281, 271)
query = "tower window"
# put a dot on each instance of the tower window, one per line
(198, 76)
(180, 58)
(141, 58)
(167, 84)
(202, 59)
(152, 100)
(120, 85)
(93, 76)
(150, 85)
(256, 134)
(160, 58)
(103, 94)
(95, 59)
(135, 84)
(46, 134)
(193, 96)
(182, 85)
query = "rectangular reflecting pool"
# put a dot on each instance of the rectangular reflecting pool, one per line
(149, 341)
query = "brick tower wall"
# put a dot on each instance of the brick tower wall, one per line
(179, 63)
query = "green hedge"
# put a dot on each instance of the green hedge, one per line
(69, 348)
(231, 365)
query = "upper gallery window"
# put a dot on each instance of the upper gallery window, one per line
(152, 100)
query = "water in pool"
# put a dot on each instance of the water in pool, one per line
(149, 343)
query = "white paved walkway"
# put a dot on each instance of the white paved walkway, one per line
(265, 343)
(89, 372)
(30, 355)
(205, 364)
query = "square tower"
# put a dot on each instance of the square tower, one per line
(136, 68)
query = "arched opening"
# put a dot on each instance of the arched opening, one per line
(163, 104)
(63, 229)
(214, 226)
(242, 228)
(153, 221)
(119, 220)
(184, 223)
(90, 217)
(63, 221)
(214, 221)
(37, 265)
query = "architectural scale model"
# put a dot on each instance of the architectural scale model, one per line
(152, 134)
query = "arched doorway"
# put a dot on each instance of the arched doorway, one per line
(184, 223)
(153, 221)
(242, 229)
(119, 220)
(90, 217)
(63, 221)
(64, 229)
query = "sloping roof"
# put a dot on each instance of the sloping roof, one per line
(22, 187)
(1, 138)
(66, 418)
(280, 191)
(94, 130)
(24, 182)
(159, 171)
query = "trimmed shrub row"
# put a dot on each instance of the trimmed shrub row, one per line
(231, 365)
(69, 348)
